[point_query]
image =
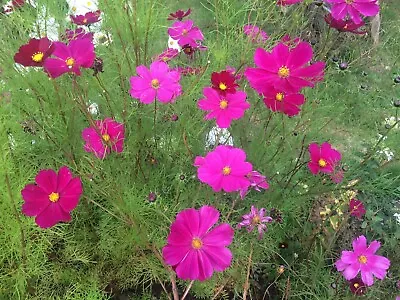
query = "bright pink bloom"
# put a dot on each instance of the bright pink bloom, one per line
(323, 159)
(344, 25)
(158, 82)
(185, 33)
(354, 8)
(87, 19)
(79, 53)
(285, 69)
(356, 208)
(363, 259)
(108, 136)
(257, 182)
(224, 168)
(179, 15)
(167, 55)
(286, 103)
(255, 219)
(52, 198)
(77, 34)
(194, 248)
(35, 53)
(223, 108)
(255, 33)
(288, 2)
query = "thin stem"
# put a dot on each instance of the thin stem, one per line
(187, 290)
(247, 284)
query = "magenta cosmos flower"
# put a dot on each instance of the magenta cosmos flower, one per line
(223, 108)
(286, 103)
(255, 34)
(108, 136)
(257, 182)
(52, 198)
(288, 2)
(185, 33)
(356, 208)
(285, 68)
(363, 259)
(255, 219)
(158, 82)
(70, 58)
(324, 158)
(354, 8)
(344, 25)
(224, 168)
(34, 53)
(86, 19)
(194, 248)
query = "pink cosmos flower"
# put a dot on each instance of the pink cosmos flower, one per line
(286, 103)
(223, 108)
(185, 33)
(224, 168)
(158, 82)
(285, 68)
(356, 208)
(79, 33)
(323, 159)
(167, 55)
(257, 182)
(87, 19)
(108, 136)
(52, 198)
(363, 259)
(194, 248)
(255, 33)
(288, 2)
(354, 8)
(255, 219)
(344, 25)
(79, 53)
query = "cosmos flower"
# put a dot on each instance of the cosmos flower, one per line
(285, 68)
(363, 259)
(70, 58)
(195, 248)
(354, 9)
(79, 33)
(185, 33)
(324, 158)
(357, 287)
(288, 2)
(167, 55)
(52, 197)
(158, 82)
(344, 25)
(356, 208)
(108, 136)
(257, 182)
(86, 19)
(35, 53)
(255, 219)
(179, 15)
(286, 103)
(224, 168)
(255, 34)
(224, 82)
(224, 108)
(173, 44)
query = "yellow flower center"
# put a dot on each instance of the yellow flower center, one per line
(197, 243)
(89, 3)
(356, 285)
(184, 32)
(73, 8)
(226, 171)
(37, 57)
(349, 1)
(106, 137)
(322, 163)
(223, 104)
(70, 62)
(222, 86)
(279, 96)
(362, 259)
(256, 220)
(283, 72)
(53, 197)
(155, 83)
(84, 21)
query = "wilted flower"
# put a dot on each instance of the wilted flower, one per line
(179, 15)
(255, 219)
(79, 33)
(97, 66)
(354, 9)
(344, 25)
(356, 208)
(257, 182)
(86, 19)
(288, 2)
(167, 55)
(152, 197)
(357, 287)
(324, 158)
(224, 82)
(185, 33)
(34, 53)
(194, 248)
(255, 33)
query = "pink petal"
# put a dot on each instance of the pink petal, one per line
(205, 266)
(36, 200)
(69, 197)
(220, 257)
(62, 51)
(367, 278)
(314, 168)
(188, 268)
(148, 96)
(222, 235)
(373, 246)
(351, 271)
(190, 217)
(174, 254)
(208, 216)
(55, 67)
(339, 11)
(367, 9)
(360, 245)
(82, 51)
(300, 55)
(63, 178)
(47, 180)
(52, 215)
(265, 60)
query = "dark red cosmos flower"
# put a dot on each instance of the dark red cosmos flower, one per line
(357, 286)
(87, 19)
(344, 25)
(223, 82)
(179, 15)
(357, 208)
(34, 53)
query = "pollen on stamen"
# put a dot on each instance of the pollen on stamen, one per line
(362, 259)
(322, 163)
(70, 62)
(279, 96)
(226, 171)
(283, 72)
(105, 137)
(223, 104)
(255, 220)
(53, 197)
(222, 86)
(197, 243)
(155, 83)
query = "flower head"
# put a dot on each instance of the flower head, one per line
(363, 259)
(185, 33)
(77, 34)
(108, 136)
(167, 55)
(255, 34)
(34, 53)
(357, 287)
(224, 168)
(86, 19)
(354, 9)
(179, 15)
(254, 219)
(287, 2)
(344, 25)
(224, 108)
(194, 248)
(324, 158)
(52, 198)
(224, 82)
(257, 182)
(70, 58)
(285, 68)
(158, 82)
(287, 103)
(356, 208)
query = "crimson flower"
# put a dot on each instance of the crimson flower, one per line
(324, 158)
(344, 25)
(357, 287)
(179, 15)
(86, 19)
(287, 103)
(356, 208)
(34, 53)
(224, 82)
